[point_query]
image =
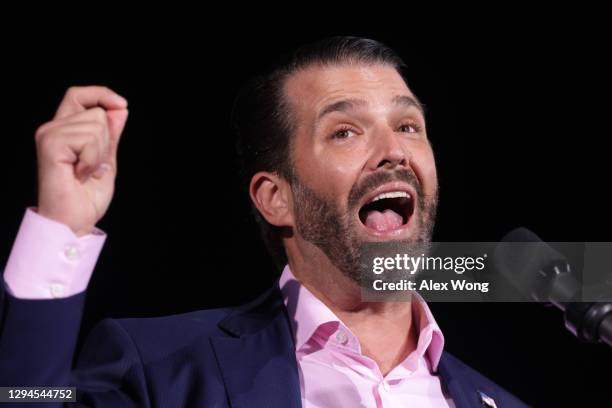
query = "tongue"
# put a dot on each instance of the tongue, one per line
(387, 220)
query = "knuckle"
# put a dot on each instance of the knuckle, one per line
(49, 142)
(98, 89)
(40, 132)
(99, 115)
(72, 90)
(43, 135)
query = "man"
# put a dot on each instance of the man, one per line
(336, 158)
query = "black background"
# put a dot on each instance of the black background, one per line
(518, 107)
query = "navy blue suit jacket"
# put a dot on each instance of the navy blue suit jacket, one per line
(230, 357)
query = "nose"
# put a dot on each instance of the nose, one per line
(388, 151)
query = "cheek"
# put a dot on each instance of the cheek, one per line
(333, 172)
(334, 178)
(424, 165)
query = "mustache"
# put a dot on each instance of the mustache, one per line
(374, 180)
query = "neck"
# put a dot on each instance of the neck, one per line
(385, 329)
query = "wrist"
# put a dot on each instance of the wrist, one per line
(78, 230)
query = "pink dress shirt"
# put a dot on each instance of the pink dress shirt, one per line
(49, 261)
(334, 372)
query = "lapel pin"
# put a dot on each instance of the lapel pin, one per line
(486, 400)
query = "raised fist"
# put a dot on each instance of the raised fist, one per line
(77, 157)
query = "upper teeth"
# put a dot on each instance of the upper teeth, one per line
(391, 194)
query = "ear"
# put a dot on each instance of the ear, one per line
(272, 197)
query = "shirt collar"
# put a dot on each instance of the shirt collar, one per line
(308, 315)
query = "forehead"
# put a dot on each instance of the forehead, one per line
(310, 89)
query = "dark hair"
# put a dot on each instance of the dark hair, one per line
(261, 118)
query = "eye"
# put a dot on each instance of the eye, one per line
(409, 128)
(344, 132)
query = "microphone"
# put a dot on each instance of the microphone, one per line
(541, 273)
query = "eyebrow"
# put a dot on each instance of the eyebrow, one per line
(352, 104)
(409, 102)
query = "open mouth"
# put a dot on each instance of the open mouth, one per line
(388, 211)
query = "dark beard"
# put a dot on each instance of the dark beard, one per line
(333, 231)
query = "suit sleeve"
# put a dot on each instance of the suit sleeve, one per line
(42, 294)
(37, 347)
(109, 371)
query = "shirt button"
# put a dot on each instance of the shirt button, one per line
(72, 253)
(57, 290)
(386, 386)
(341, 337)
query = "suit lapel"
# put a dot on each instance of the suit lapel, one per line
(464, 388)
(257, 360)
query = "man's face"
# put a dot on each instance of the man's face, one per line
(364, 168)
